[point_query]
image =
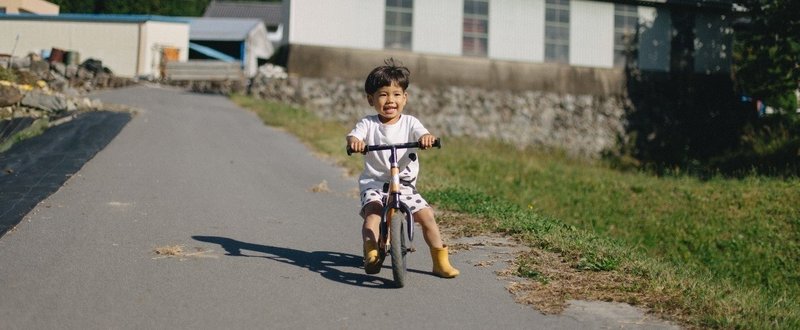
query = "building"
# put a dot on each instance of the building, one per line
(230, 39)
(130, 46)
(39, 7)
(563, 45)
(269, 13)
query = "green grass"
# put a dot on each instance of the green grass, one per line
(37, 127)
(719, 253)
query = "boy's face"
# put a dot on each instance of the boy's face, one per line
(389, 102)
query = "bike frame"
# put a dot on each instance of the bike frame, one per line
(393, 202)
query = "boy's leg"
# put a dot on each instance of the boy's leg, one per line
(430, 230)
(439, 253)
(369, 234)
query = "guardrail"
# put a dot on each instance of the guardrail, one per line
(203, 70)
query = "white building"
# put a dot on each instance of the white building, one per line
(128, 45)
(575, 33)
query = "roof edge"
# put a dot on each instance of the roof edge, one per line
(95, 18)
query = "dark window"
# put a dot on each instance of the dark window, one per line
(476, 28)
(556, 31)
(626, 22)
(399, 23)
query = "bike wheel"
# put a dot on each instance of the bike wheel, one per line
(398, 249)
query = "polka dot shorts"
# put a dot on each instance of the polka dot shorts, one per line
(411, 198)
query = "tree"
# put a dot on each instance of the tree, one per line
(141, 7)
(767, 51)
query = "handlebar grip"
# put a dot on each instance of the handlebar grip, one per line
(436, 143)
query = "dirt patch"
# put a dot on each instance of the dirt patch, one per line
(548, 282)
(321, 187)
(178, 252)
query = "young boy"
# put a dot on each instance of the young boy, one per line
(386, 93)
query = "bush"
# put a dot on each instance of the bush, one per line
(770, 146)
(7, 75)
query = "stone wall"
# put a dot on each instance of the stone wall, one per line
(581, 125)
(33, 89)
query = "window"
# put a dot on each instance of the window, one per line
(626, 21)
(399, 15)
(556, 31)
(476, 28)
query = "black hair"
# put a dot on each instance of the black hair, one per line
(391, 72)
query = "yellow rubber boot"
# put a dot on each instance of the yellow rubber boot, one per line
(372, 264)
(441, 263)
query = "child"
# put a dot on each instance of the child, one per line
(386, 93)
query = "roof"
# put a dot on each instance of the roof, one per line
(221, 29)
(718, 5)
(94, 18)
(270, 13)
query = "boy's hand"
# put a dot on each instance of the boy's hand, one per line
(426, 141)
(355, 144)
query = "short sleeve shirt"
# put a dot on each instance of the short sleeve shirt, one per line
(376, 164)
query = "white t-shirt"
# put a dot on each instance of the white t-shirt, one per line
(376, 163)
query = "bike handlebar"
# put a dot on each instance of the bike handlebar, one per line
(436, 143)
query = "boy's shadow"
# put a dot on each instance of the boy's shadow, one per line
(322, 262)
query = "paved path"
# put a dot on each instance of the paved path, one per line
(260, 249)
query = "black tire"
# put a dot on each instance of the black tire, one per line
(398, 248)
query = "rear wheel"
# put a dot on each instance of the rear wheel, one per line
(398, 248)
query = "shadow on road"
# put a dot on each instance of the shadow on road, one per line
(35, 168)
(323, 262)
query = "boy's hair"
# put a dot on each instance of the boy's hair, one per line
(385, 75)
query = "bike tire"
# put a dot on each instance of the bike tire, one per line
(398, 248)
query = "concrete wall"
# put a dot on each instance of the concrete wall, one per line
(40, 7)
(437, 71)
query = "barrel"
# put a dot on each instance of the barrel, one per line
(72, 57)
(56, 56)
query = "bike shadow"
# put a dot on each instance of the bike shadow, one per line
(326, 263)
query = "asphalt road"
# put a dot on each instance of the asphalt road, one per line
(261, 250)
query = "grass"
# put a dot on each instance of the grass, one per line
(717, 253)
(36, 128)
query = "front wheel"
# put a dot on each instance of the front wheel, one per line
(398, 248)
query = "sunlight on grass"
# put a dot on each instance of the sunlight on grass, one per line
(717, 253)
